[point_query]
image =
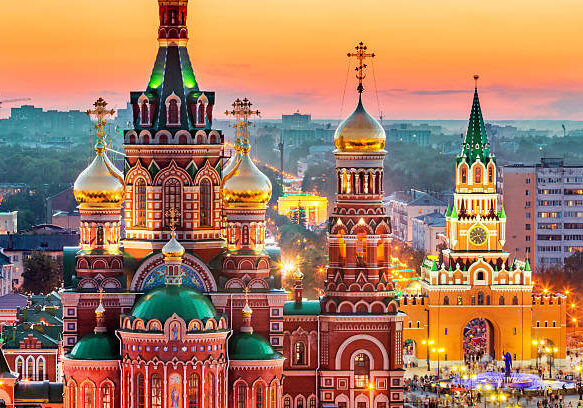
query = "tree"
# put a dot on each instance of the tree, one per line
(42, 274)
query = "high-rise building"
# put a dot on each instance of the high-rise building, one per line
(544, 204)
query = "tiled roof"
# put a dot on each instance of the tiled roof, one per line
(13, 301)
(41, 242)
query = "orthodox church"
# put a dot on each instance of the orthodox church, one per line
(185, 308)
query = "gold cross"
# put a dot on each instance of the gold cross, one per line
(360, 55)
(173, 214)
(242, 111)
(101, 114)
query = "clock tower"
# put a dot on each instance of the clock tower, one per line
(476, 224)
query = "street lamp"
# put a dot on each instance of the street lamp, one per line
(427, 343)
(371, 392)
(551, 357)
(498, 397)
(538, 344)
(438, 351)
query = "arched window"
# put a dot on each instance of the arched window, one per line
(30, 368)
(173, 116)
(480, 275)
(515, 300)
(480, 298)
(221, 386)
(106, 396)
(443, 279)
(20, 366)
(260, 396)
(300, 353)
(87, 396)
(156, 392)
(206, 203)
(361, 370)
(488, 299)
(464, 175)
(145, 114)
(287, 402)
(501, 300)
(241, 397)
(201, 119)
(193, 391)
(446, 300)
(40, 369)
(312, 402)
(361, 247)
(172, 199)
(209, 386)
(478, 175)
(490, 174)
(140, 202)
(273, 395)
(140, 396)
(72, 395)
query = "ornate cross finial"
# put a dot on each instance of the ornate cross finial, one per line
(101, 114)
(242, 111)
(173, 214)
(361, 55)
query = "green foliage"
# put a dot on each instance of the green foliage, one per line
(30, 206)
(407, 255)
(42, 274)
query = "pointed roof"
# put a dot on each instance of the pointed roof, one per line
(476, 143)
(527, 266)
(4, 367)
(448, 212)
(502, 213)
(454, 212)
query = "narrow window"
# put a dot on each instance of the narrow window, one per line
(140, 202)
(156, 392)
(464, 175)
(140, 397)
(259, 396)
(361, 370)
(106, 396)
(193, 391)
(172, 199)
(87, 396)
(300, 353)
(478, 175)
(206, 203)
(173, 117)
(241, 395)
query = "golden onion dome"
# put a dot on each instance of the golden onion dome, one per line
(360, 132)
(173, 248)
(100, 182)
(246, 185)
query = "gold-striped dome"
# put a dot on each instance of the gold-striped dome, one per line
(100, 182)
(246, 185)
(360, 132)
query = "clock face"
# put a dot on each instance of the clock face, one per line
(478, 235)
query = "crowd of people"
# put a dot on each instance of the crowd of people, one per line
(475, 341)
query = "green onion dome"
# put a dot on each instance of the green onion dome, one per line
(251, 346)
(96, 346)
(162, 302)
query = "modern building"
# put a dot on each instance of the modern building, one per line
(314, 207)
(7, 272)
(429, 232)
(8, 222)
(478, 287)
(297, 128)
(404, 206)
(544, 204)
(48, 239)
(186, 310)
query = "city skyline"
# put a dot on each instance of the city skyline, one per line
(423, 69)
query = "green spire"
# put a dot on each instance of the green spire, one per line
(434, 266)
(476, 142)
(527, 266)
(448, 212)
(502, 214)
(453, 212)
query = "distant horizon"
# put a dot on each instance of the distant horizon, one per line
(295, 57)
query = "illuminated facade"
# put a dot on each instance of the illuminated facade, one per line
(186, 310)
(314, 207)
(477, 280)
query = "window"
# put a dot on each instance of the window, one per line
(300, 353)
(105, 396)
(140, 397)
(72, 395)
(241, 395)
(501, 300)
(273, 395)
(173, 116)
(480, 298)
(490, 175)
(140, 202)
(156, 392)
(87, 396)
(172, 199)
(478, 175)
(464, 175)
(446, 300)
(260, 396)
(209, 386)
(480, 275)
(515, 300)
(145, 114)
(20, 367)
(193, 391)
(312, 402)
(287, 402)
(361, 370)
(527, 227)
(459, 300)
(40, 369)
(206, 203)
(300, 403)
(30, 368)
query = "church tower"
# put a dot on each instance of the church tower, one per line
(173, 155)
(359, 227)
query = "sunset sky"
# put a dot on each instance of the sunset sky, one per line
(289, 55)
